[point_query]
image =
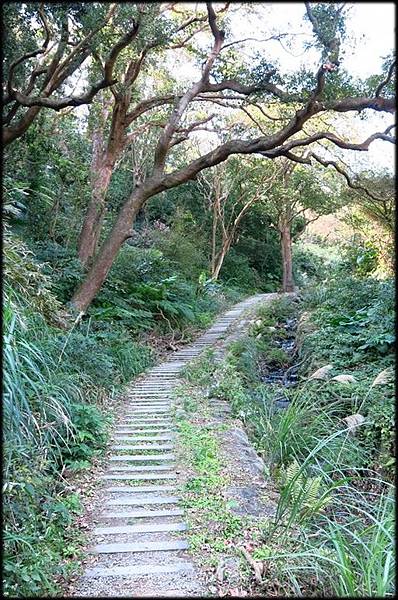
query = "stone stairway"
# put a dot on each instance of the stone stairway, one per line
(139, 545)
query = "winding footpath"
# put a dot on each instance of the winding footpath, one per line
(139, 547)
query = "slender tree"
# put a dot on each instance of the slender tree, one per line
(231, 190)
(300, 193)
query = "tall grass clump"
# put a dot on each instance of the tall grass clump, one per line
(54, 388)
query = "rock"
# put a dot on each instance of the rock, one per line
(180, 413)
(247, 500)
(232, 571)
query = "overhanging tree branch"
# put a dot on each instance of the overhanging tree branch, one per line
(279, 143)
(57, 72)
(307, 160)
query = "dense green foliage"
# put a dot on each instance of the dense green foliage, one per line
(335, 514)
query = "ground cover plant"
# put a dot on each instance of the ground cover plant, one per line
(334, 527)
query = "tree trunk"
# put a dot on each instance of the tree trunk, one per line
(108, 252)
(92, 225)
(104, 157)
(214, 239)
(220, 260)
(287, 262)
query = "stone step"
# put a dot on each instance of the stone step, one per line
(140, 547)
(132, 421)
(142, 514)
(146, 425)
(122, 429)
(143, 477)
(140, 468)
(145, 501)
(170, 361)
(133, 410)
(147, 418)
(154, 389)
(159, 381)
(150, 404)
(150, 415)
(137, 430)
(148, 399)
(145, 433)
(161, 411)
(142, 457)
(138, 422)
(153, 377)
(150, 419)
(143, 528)
(143, 438)
(148, 446)
(139, 570)
(154, 392)
(167, 370)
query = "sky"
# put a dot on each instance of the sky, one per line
(372, 30)
(374, 21)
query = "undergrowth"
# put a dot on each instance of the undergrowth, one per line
(59, 380)
(333, 533)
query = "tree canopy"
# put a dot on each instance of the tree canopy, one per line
(169, 81)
